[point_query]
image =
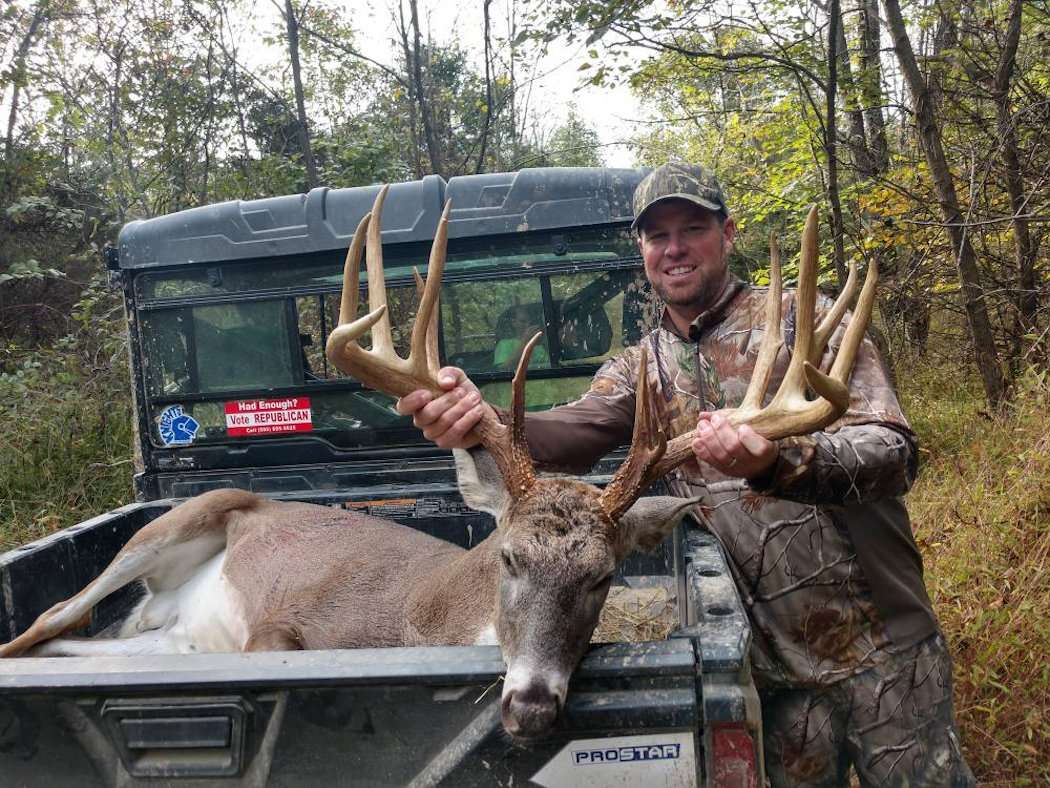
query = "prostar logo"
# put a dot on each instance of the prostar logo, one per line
(651, 752)
(648, 760)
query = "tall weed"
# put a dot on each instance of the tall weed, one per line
(981, 511)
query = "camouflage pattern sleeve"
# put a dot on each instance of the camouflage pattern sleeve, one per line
(571, 438)
(856, 464)
(869, 453)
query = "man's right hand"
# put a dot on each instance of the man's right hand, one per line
(446, 419)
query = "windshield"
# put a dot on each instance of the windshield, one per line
(236, 352)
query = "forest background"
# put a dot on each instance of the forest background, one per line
(919, 127)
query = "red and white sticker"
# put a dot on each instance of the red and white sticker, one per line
(268, 416)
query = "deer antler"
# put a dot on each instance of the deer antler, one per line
(648, 445)
(790, 412)
(382, 369)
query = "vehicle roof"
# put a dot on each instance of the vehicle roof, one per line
(325, 219)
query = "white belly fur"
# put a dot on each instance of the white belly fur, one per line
(203, 615)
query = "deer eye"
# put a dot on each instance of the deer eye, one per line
(507, 555)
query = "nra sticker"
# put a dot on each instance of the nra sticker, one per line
(176, 427)
(662, 760)
(268, 416)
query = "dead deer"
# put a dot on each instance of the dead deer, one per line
(230, 570)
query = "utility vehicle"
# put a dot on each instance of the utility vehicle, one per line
(228, 308)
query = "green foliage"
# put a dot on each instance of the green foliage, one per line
(572, 144)
(66, 454)
(28, 269)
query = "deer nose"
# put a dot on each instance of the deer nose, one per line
(530, 712)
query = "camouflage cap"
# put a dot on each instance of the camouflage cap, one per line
(679, 181)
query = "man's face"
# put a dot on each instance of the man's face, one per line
(684, 248)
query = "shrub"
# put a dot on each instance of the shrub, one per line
(66, 453)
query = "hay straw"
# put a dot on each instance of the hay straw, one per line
(633, 615)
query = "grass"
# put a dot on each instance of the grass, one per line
(981, 510)
(981, 513)
(66, 453)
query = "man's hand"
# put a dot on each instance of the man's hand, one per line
(446, 419)
(735, 451)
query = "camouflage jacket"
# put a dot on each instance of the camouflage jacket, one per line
(821, 549)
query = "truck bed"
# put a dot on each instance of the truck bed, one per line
(644, 713)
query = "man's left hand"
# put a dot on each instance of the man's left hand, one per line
(734, 451)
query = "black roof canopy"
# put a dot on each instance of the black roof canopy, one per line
(325, 219)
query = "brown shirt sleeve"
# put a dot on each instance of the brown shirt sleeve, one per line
(571, 438)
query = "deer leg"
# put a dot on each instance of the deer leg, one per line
(165, 553)
(148, 643)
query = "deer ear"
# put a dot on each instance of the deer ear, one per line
(480, 482)
(650, 519)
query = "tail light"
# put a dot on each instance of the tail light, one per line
(734, 758)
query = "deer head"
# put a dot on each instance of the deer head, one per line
(558, 541)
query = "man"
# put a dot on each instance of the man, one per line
(850, 665)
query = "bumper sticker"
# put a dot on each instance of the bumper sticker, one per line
(268, 416)
(176, 427)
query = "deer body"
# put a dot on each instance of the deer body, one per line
(328, 583)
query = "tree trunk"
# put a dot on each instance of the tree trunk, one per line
(413, 118)
(945, 38)
(858, 138)
(966, 262)
(485, 6)
(416, 77)
(121, 199)
(1026, 300)
(831, 142)
(292, 25)
(870, 79)
(18, 75)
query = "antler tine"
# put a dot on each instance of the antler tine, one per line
(793, 390)
(352, 273)
(773, 338)
(834, 316)
(382, 338)
(433, 360)
(648, 444)
(520, 473)
(843, 363)
(423, 352)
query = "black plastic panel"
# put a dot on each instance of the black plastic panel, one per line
(325, 219)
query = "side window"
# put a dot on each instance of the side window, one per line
(167, 358)
(218, 348)
(487, 323)
(243, 346)
(597, 313)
